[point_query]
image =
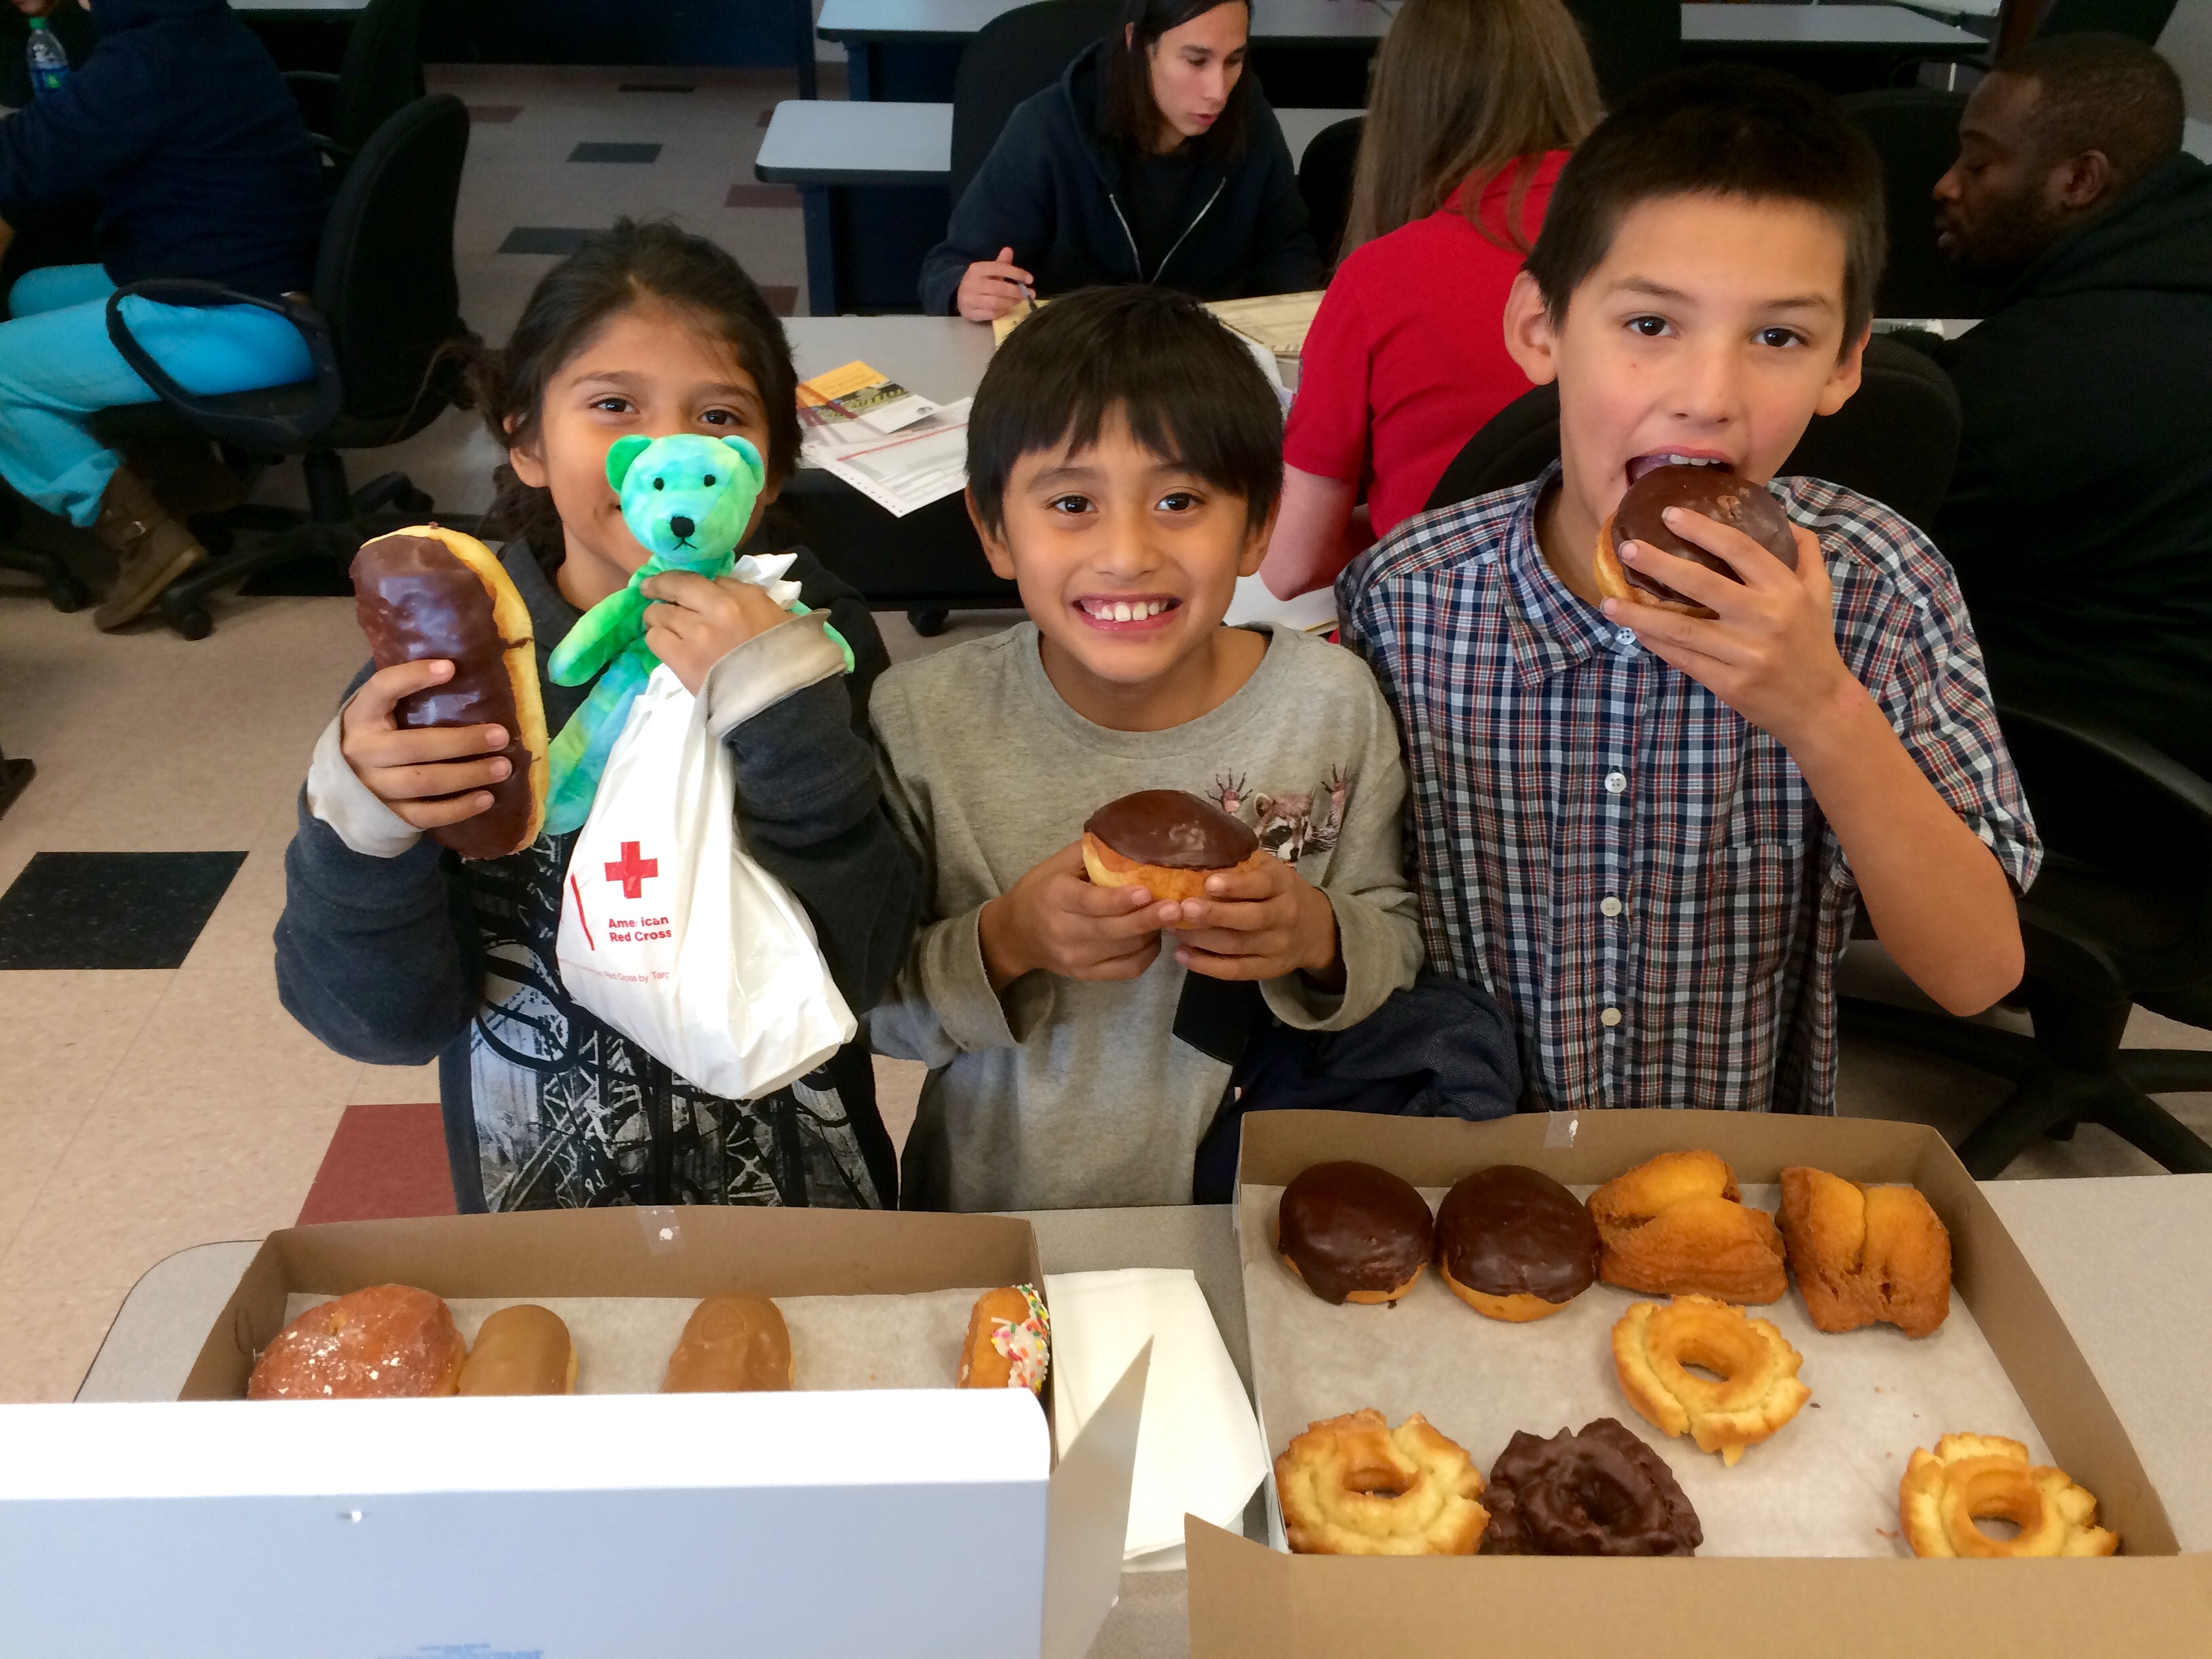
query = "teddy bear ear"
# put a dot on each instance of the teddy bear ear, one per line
(750, 456)
(625, 450)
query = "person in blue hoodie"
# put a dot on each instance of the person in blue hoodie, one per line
(181, 126)
(1155, 159)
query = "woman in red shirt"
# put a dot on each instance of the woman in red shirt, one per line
(1474, 106)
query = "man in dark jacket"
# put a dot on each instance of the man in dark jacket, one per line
(2080, 518)
(181, 126)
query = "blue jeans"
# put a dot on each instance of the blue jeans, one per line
(58, 368)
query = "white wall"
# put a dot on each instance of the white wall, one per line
(2187, 45)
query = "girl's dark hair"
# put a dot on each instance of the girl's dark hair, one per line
(613, 270)
(1132, 115)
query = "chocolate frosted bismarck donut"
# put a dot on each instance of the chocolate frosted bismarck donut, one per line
(1515, 1244)
(1354, 1233)
(1600, 1492)
(1717, 493)
(1168, 841)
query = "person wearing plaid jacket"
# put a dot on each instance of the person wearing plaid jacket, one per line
(1645, 831)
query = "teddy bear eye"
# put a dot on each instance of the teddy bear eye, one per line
(656, 484)
(709, 483)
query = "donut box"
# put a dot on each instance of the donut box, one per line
(1801, 1553)
(864, 1512)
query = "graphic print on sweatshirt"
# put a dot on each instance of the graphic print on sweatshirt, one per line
(1291, 823)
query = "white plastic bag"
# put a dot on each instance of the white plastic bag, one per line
(672, 935)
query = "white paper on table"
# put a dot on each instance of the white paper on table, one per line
(1252, 603)
(1198, 1450)
(925, 462)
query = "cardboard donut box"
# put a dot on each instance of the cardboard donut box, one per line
(1250, 1601)
(908, 1521)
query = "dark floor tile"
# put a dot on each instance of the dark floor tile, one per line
(492, 115)
(111, 910)
(654, 86)
(626, 154)
(384, 1161)
(543, 239)
(761, 196)
(782, 300)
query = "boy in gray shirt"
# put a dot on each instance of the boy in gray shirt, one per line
(1125, 460)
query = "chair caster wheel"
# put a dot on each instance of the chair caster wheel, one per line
(928, 621)
(195, 624)
(67, 593)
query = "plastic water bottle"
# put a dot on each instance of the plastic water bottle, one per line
(50, 64)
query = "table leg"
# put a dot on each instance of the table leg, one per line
(821, 297)
(803, 24)
(860, 70)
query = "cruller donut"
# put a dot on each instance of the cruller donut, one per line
(1969, 1475)
(1354, 1486)
(1168, 841)
(1718, 493)
(1865, 1254)
(1758, 1391)
(1677, 1225)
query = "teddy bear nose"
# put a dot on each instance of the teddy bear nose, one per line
(682, 525)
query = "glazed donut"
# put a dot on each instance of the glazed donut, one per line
(1352, 1486)
(1167, 841)
(1354, 1233)
(1676, 1225)
(1513, 1243)
(521, 1350)
(1716, 492)
(1600, 1492)
(733, 1344)
(1009, 1341)
(387, 1342)
(1864, 1254)
(430, 591)
(1758, 1391)
(1987, 1475)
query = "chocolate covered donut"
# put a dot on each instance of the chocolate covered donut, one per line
(1168, 841)
(1353, 1232)
(1600, 1492)
(1725, 497)
(1515, 1244)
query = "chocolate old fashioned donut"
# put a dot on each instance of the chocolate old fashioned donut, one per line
(1601, 1492)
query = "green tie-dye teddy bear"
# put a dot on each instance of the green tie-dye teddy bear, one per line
(687, 499)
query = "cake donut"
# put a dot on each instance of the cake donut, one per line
(1986, 1476)
(1354, 1233)
(1758, 1391)
(521, 1350)
(1716, 492)
(1677, 1225)
(731, 1344)
(1513, 1243)
(430, 591)
(386, 1342)
(1601, 1492)
(1865, 1255)
(1354, 1486)
(1009, 1341)
(1168, 841)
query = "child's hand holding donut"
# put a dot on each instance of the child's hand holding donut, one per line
(430, 775)
(694, 624)
(1259, 923)
(1054, 919)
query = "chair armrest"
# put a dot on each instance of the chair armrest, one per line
(310, 78)
(2119, 749)
(258, 433)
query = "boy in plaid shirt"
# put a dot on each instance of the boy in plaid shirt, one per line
(1644, 830)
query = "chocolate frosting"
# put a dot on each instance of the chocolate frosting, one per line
(1173, 828)
(1600, 1492)
(414, 597)
(1508, 1230)
(1353, 1227)
(1719, 494)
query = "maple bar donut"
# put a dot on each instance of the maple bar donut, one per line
(387, 1342)
(521, 1350)
(430, 591)
(1601, 1492)
(1168, 841)
(1758, 1391)
(1354, 1233)
(1986, 1476)
(1513, 1243)
(1865, 1255)
(731, 1344)
(1677, 1225)
(1354, 1486)
(1009, 1341)
(1719, 494)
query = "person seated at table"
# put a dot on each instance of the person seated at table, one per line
(1124, 459)
(1474, 106)
(180, 124)
(2080, 517)
(1154, 159)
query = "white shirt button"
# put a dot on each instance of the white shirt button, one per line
(1609, 1017)
(1615, 782)
(1608, 906)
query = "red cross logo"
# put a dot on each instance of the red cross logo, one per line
(631, 870)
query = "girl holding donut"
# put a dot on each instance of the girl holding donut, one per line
(393, 950)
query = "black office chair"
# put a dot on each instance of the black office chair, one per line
(1630, 40)
(1896, 441)
(1016, 55)
(2142, 20)
(385, 308)
(380, 75)
(1915, 130)
(2120, 915)
(1325, 180)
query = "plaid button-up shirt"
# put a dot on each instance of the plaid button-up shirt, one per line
(1640, 876)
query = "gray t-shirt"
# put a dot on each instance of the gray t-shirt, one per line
(1076, 1092)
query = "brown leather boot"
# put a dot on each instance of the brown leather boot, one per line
(152, 549)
